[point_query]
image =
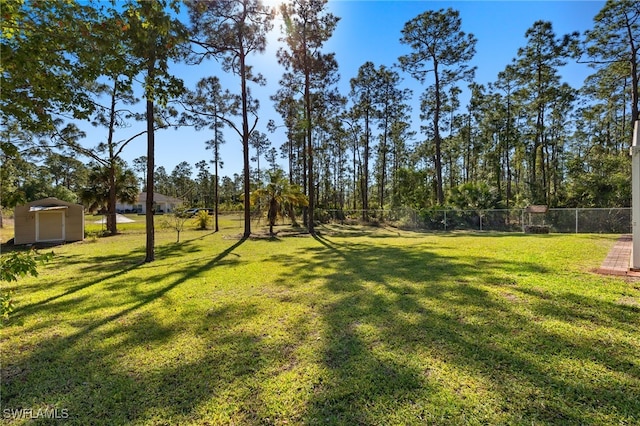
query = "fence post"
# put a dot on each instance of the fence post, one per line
(480, 214)
(445, 220)
(576, 220)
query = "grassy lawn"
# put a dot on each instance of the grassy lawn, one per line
(357, 327)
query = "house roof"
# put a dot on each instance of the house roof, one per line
(159, 198)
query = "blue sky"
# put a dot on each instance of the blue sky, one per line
(370, 31)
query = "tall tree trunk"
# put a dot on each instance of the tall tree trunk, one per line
(307, 109)
(273, 213)
(303, 154)
(151, 142)
(507, 149)
(355, 172)
(383, 174)
(467, 154)
(112, 226)
(634, 77)
(216, 196)
(245, 148)
(150, 249)
(291, 166)
(111, 203)
(365, 167)
(438, 140)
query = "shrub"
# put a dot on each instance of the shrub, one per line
(202, 220)
(536, 229)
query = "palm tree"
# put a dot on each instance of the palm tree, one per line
(96, 195)
(280, 196)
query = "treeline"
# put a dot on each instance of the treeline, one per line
(525, 138)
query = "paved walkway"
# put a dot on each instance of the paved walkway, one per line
(617, 261)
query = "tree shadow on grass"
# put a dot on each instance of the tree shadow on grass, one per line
(79, 370)
(94, 380)
(412, 336)
(101, 263)
(31, 308)
(392, 334)
(101, 268)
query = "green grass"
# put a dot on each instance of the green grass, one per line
(357, 327)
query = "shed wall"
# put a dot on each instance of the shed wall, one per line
(25, 224)
(75, 223)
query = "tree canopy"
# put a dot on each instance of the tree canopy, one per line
(526, 137)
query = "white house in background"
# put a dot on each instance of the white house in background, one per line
(162, 204)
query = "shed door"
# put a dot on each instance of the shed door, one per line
(50, 226)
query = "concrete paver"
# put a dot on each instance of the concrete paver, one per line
(617, 261)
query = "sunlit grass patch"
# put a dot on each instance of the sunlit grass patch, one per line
(357, 326)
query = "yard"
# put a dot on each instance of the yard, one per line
(360, 326)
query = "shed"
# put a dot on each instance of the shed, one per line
(48, 220)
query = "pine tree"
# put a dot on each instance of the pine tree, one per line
(307, 28)
(232, 30)
(442, 49)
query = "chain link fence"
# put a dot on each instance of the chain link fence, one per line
(577, 220)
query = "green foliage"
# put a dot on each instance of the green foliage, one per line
(153, 36)
(546, 102)
(96, 195)
(25, 177)
(599, 179)
(308, 26)
(7, 304)
(65, 194)
(15, 265)
(18, 264)
(475, 196)
(48, 50)
(12, 168)
(614, 39)
(279, 197)
(202, 220)
(412, 189)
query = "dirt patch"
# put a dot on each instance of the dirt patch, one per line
(511, 297)
(628, 301)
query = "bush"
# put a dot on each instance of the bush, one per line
(536, 229)
(202, 220)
